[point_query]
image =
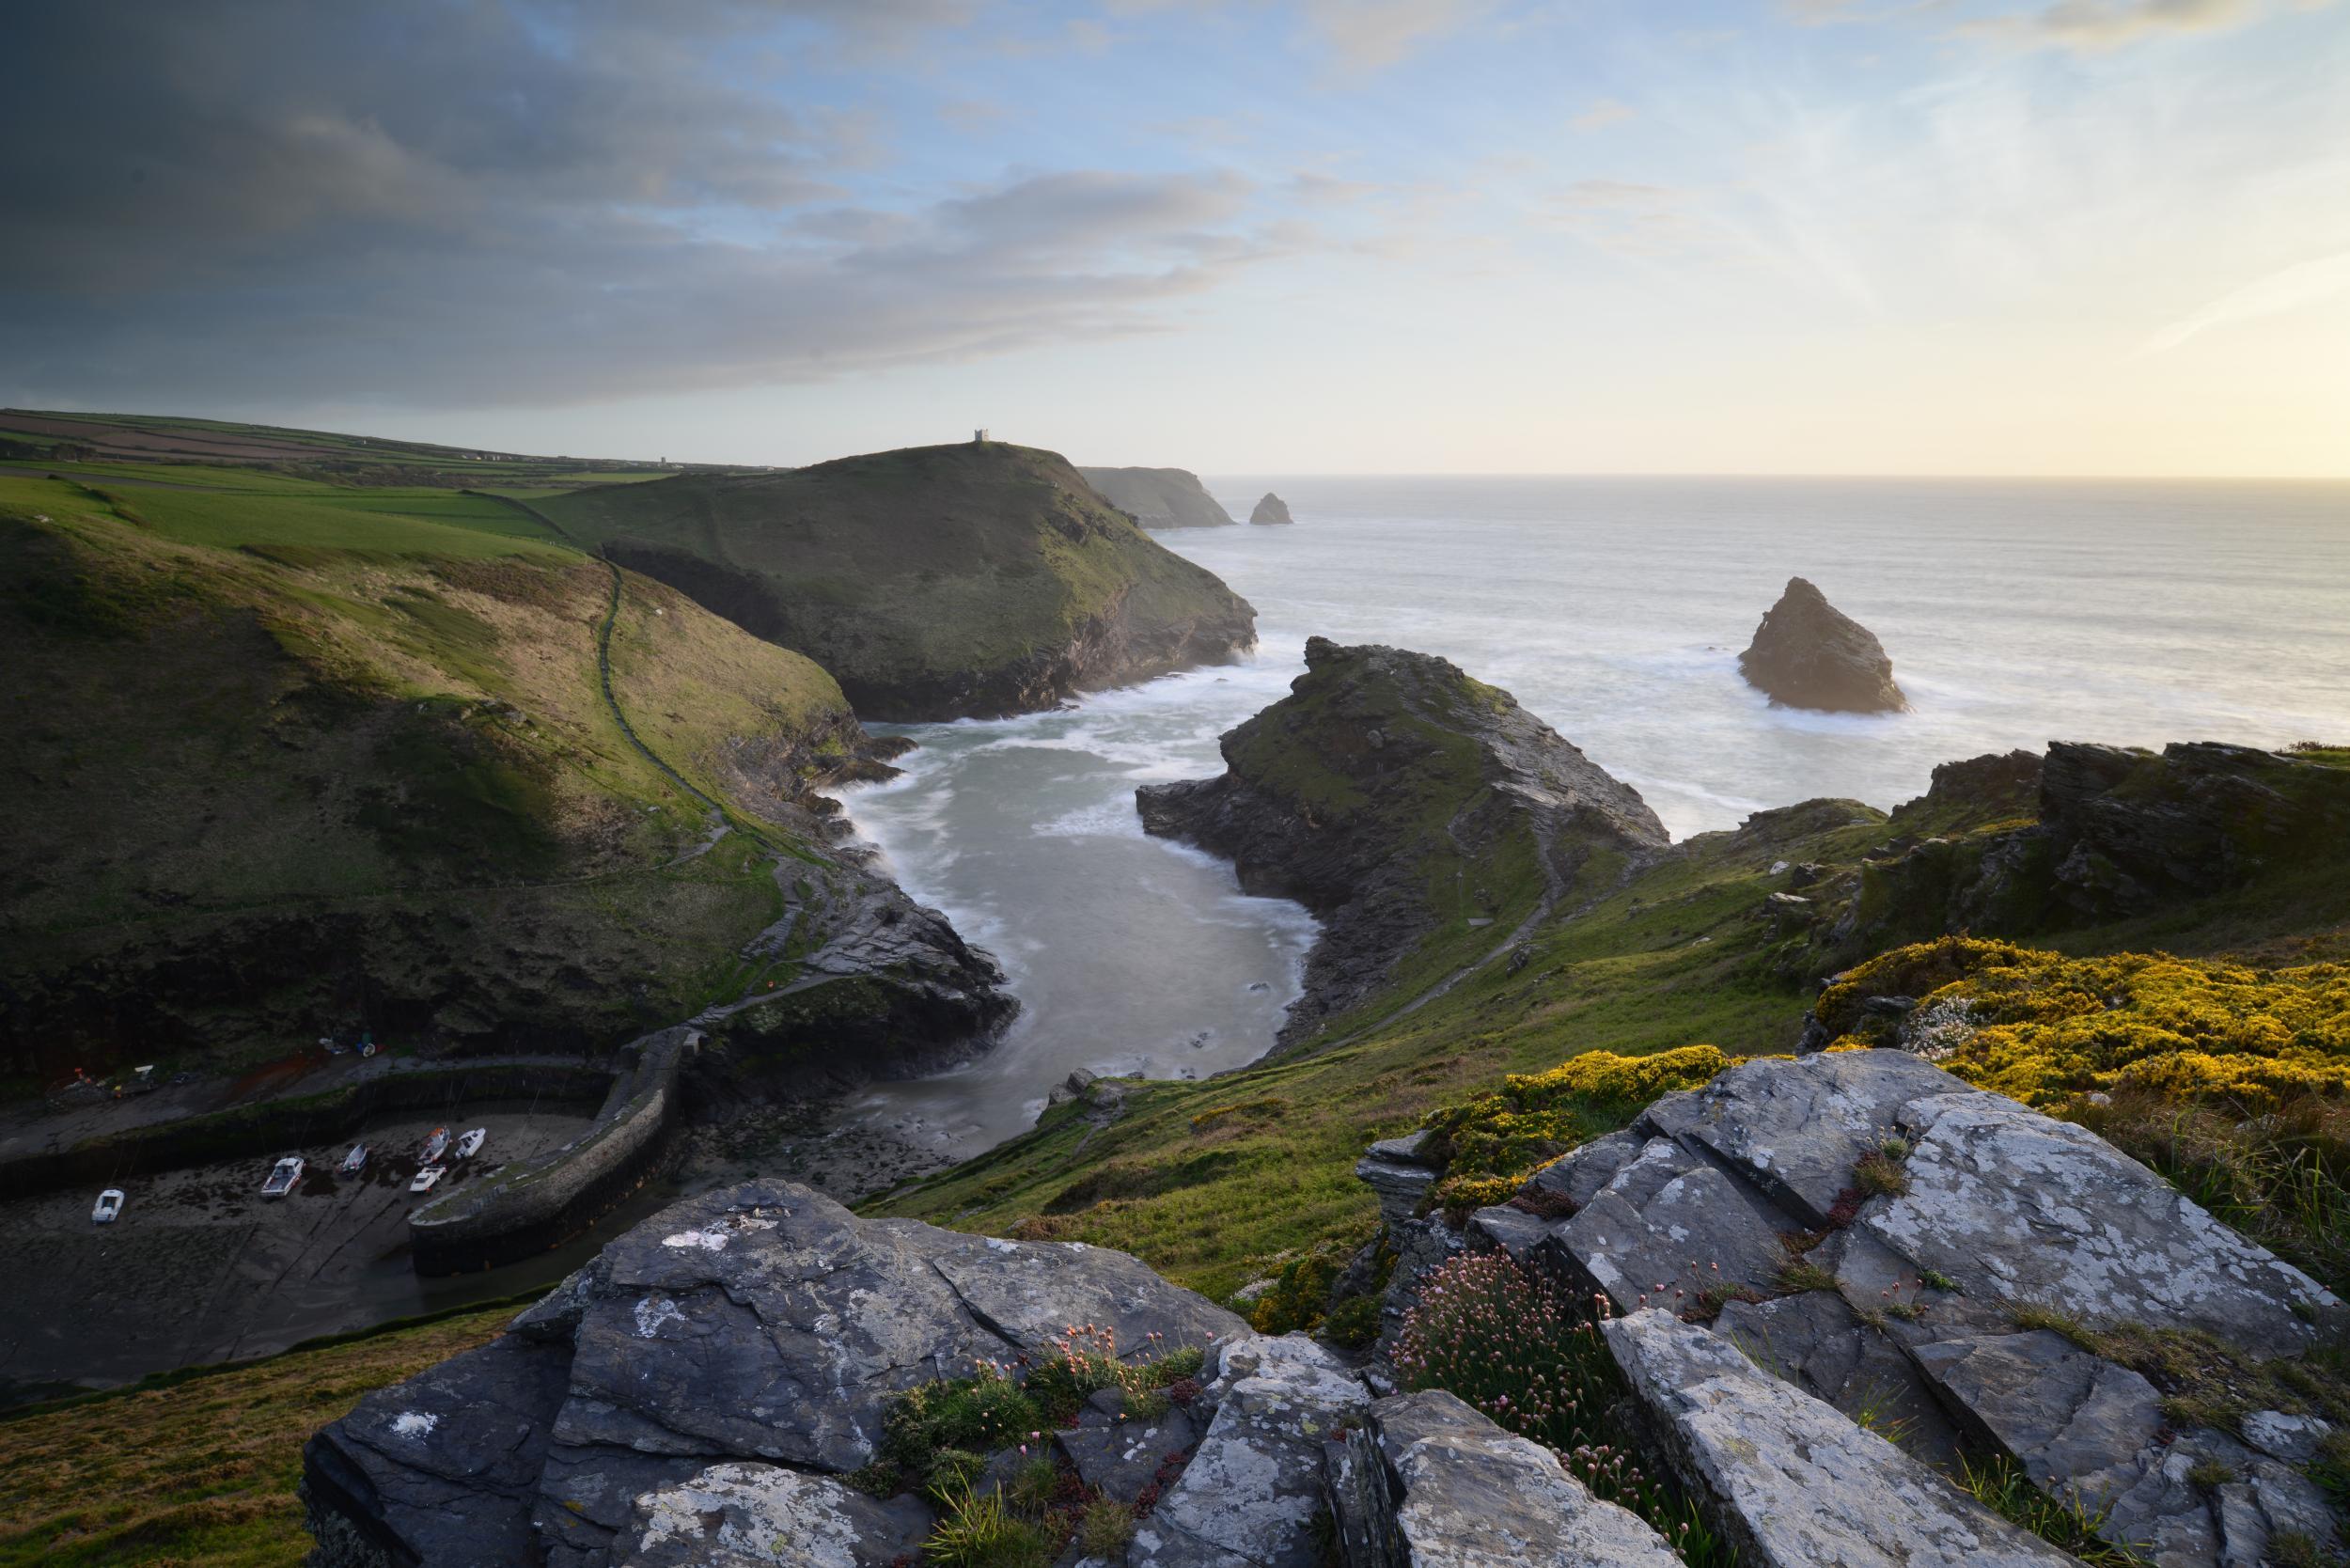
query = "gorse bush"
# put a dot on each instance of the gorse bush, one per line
(1492, 1143)
(2043, 1027)
(1515, 1347)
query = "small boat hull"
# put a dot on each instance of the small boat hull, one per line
(356, 1160)
(470, 1145)
(426, 1178)
(109, 1205)
(282, 1177)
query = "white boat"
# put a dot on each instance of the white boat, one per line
(356, 1160)
(470, 1145)
(426, 1177)
(282, 1177)
(109, 1205)
(434, 1144)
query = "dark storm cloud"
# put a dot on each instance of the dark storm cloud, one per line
(479, 203)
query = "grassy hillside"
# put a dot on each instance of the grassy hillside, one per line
(199, 1471)
(287, 757)
(935, 581)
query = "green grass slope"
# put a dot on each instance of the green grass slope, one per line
(934, 582)
(300, 756)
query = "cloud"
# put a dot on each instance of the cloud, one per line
(1370, 35)
(2288, 288)
(2099, 25)
(458, 206)
(1602, 111)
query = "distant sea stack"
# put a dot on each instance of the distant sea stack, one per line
(1159, 497)
(1271, 510)
(1808, 653)
(966, 581)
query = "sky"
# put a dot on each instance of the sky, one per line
(1930, 236)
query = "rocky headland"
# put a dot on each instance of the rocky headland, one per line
(1271, 509)
(971, 580)
(1400, 800)
(1159, 497)
(1807, 653)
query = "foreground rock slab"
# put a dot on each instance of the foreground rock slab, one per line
(1428, 1483)
(1795, 1482)
(764, 1323)
(757, 1515)
(1251, 1493)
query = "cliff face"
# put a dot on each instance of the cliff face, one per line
(1271, 508)
(1400, 799)
(2013, 845)
(937, 581)
(1807, 653)
(1159, 497)
(275, 791)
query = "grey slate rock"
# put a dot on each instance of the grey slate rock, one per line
(2294, 1439)
(763, 1323)
(2092, 1432)
(1254, 1485)
(1121, 1457)
(738, 1515)
(1799, 1127)
(1577, 1175)
(1815, 1340)
(441, 1468)
(1795, 1483)
(1667, 1226)
(2025, 1209)
(1472, 1495)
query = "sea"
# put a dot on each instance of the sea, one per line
(2015, 612)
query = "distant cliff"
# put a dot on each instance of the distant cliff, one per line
(935, 582)
(1271, 508)
(1159, 497)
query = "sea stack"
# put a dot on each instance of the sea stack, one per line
(1271, 510)
(1808, 653)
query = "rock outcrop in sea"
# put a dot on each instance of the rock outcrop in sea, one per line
(1159, 497)
(1807, 653)
(1378, 763)
(1806, 1350)
(1271, 508)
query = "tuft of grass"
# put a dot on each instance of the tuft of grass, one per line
(1878, 1174)
(1802, 1274)
(1999, 1485)
(1106, 1528)
(982, 1531)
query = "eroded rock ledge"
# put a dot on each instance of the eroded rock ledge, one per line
(705, 1391)
(1380, 764)
(1769, 1294)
